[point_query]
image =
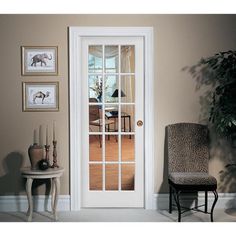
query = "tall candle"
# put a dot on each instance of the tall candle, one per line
(35, 136)
(40, 135)
(54, 130)
(47, 136)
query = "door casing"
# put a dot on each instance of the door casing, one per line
(75, 36)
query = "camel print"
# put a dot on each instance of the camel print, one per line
(40, 95)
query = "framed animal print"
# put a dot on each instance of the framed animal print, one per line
(40, 96)
(39, 60)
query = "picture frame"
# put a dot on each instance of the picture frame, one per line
(39, 60)
(40, 96)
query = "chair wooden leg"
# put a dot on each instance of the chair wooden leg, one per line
(170, 199)
(108, 129)
(206, 201)
(100, 142)
(214, 203)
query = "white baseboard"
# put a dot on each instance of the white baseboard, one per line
(225, 200)
(160, 202)
(40, 202)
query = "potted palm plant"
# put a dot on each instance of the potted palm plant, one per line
(219, 71)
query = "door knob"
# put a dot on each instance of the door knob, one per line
(139, 123)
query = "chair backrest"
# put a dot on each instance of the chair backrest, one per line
(187, 146)
(93, 110)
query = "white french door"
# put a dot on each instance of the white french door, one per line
(112, 169)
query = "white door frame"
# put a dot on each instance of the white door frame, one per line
(75, 34)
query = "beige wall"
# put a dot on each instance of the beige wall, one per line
(180, 40)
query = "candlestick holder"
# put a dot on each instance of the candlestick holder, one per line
(47, 152)
(54, 154)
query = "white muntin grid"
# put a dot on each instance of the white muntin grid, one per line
(119, 132)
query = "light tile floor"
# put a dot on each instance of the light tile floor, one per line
(121, 215)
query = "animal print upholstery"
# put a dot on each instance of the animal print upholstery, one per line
(188, 154)
(192, 178)
(187, 145)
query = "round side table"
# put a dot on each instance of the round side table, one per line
(52, 173)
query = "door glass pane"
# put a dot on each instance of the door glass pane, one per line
(127, 176)
(127, 118)
(127, 59)
(95, 118)
(95, 147)
(112, 176)
(127, 147)
(95, 176)
(111, 115)
(112, 148)
(95, 88)
(127, 84)
(111, 59)
(105, 93)
(111, 85)
(95, 59)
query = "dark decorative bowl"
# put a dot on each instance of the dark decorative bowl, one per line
(43, 164)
